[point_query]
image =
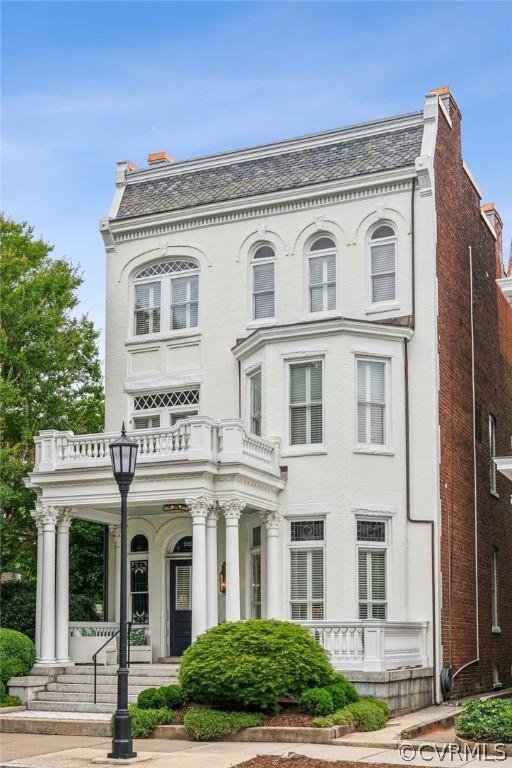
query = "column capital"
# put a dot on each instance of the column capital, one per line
(271, 520)
(45, 515)
(213, 515)
(232, 508)
(65, 519)
(200, 506)
(115, 531)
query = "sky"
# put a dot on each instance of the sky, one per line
(85, 84)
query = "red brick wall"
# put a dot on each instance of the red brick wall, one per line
(459, 226)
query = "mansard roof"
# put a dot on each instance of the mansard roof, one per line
(301, 163)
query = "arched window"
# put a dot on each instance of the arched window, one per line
(263, 282)
(166, 295)
(321, 267)
(139, 543)
(382, 264)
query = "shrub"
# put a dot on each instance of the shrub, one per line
(316, 701)
(17, 654)
(368, 714)
(3, 690)
(489, 720)
(144, 721)
(341, 717)
(251, 664)
(339, 682)
(174, 698)
(151, 698)
(213, 724)
(383, 705)
(10, 701)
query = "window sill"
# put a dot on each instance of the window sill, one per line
(324, 314)
(161, 337)
(382, 307)
(495, 494)
(496, 630)
(263, 323)
(374, 450)
(304, 450)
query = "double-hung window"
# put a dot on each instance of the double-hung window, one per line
(307, 570)
(306, 403)
(322, 275)
(255, 566)
(255, 382)
(382, 264)
(371, 402)
(147, 308)
(263, 283)
(170, 302)
(372, 569)
(492, 454)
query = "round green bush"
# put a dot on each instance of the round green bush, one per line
(151, 698)
(368, 714)
(174, 698)
(339, 682)
(252, 664)
(317, 701)
(17, 654)
(341, 694)
(212, 724)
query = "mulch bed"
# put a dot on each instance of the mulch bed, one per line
(295, 760)
(289, 718)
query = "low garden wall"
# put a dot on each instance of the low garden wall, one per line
(404, 690)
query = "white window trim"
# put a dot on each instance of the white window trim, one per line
(369, 546)
(304, 546)
(493, 470)
(309, 254)
(377, 449)
(250, 375)
(253, 322)
(382, 306)
(305, 449)
(166, 332)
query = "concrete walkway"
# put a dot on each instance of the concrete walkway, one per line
(33, 751)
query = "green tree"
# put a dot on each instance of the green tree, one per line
(50, 379)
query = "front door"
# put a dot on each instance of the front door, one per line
(181, 606)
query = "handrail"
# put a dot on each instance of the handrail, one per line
(95, 654)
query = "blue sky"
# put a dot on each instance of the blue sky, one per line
(86, 84)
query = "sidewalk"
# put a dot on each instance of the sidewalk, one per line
(33, 751)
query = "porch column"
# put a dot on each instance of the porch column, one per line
(36, 516)
(62, 610)
(212, 608)
(272, 582)
(116, 535)
(199, 508)
(49, 519)
(232, 509)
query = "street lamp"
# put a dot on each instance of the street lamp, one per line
(123, 455)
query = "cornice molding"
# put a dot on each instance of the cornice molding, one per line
(317, 328)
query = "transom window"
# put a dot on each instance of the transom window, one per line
(164, 409)
(169, 303)
(263, 282)
(307, 570)
(306, 407)
(371, 530)
(139, 543)
(171, 399)
(371, 402)
(383, 264)
(322, 275)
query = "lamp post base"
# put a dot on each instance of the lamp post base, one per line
(122, 745)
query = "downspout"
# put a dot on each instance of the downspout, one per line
(239, 389)
(408, 459)
(475, 483)
(105, 573)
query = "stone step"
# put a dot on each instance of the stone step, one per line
(142, 670)
(101, 698)
(89, 688)
(145, 682)
(69, 706)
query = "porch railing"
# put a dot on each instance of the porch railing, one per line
(372, 645)
(196, 438)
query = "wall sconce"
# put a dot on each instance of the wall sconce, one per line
(222, 578)
(175, 507)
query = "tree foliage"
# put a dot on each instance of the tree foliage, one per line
(50, 377)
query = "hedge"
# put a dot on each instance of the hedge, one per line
(213, 724)
(365, 715)
(17, 654)
(144, 721)
(252, 664)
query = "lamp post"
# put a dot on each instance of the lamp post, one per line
(123, 455)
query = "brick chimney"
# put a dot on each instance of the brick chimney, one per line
(160, 158)
(446, 97)
(494, 219)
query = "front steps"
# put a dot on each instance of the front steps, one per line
(73, 689)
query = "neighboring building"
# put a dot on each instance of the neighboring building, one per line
(307, 340)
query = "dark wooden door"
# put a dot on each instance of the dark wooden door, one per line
(181, 606)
